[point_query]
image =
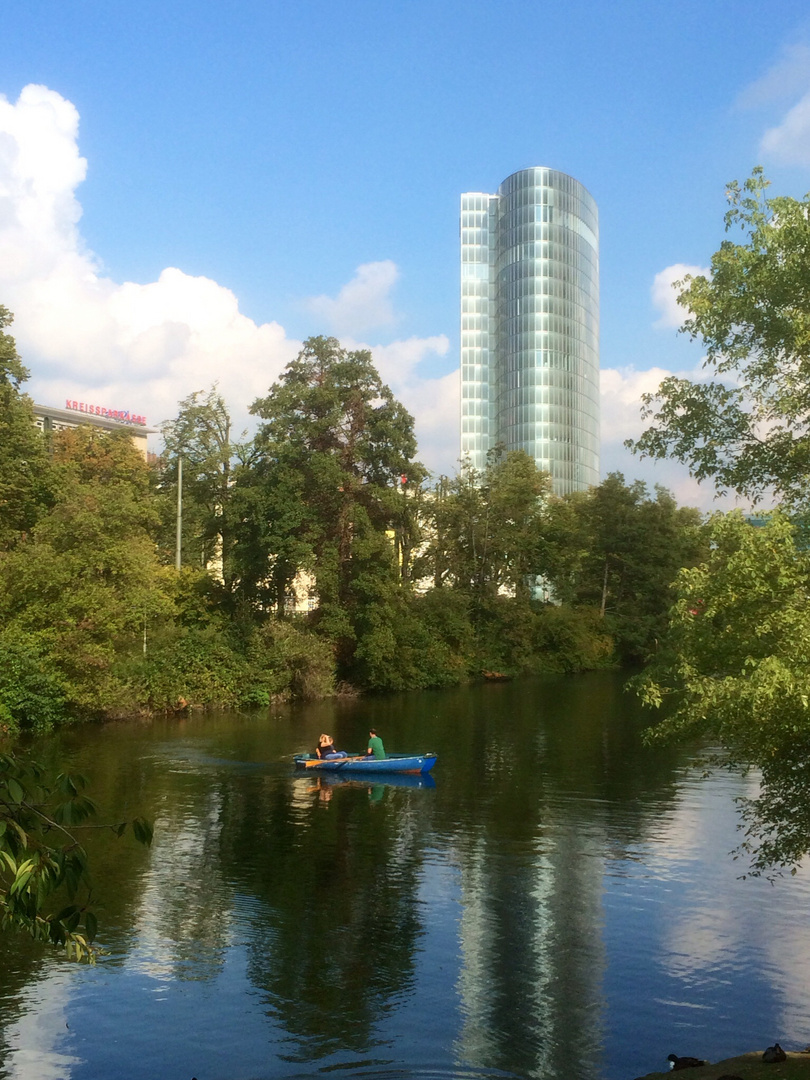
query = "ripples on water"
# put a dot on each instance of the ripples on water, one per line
(571, 913)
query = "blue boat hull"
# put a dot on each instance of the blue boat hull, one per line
(365, 766)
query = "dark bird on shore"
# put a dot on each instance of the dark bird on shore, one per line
(685, 1062)
(773, 1054)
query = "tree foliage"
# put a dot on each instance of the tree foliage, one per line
(735, 669)
(201, 435)
(745, 425)
(327, 463)
(618, 549)
(25, 479)
(45, 883)
(489, 527)
(87, 580)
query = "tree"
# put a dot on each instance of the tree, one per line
(620, 552)
(488, 527)
(201, 436)
(735, 669)
(746, 426)
(327, 463)
(45, 884)
(25, 480)
(87, 581)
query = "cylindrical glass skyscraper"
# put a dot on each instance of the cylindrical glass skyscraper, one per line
(530, 325)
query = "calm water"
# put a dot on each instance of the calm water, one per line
(559, 903)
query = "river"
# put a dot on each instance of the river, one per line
(558, 901)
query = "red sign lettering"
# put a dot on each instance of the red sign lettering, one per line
(123, 416)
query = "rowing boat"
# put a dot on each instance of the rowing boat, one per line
(394, 763)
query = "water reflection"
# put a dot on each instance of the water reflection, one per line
(559, 901)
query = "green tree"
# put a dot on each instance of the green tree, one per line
(745, 425)
(489, 527)
(201, 435)
(621, 553)
(327, 462)
(735, 669)
(25, 479)
(87, 582)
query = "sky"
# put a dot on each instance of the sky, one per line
(188, 190)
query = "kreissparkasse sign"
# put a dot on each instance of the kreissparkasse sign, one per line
(123, 416)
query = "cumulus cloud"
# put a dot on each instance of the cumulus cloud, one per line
(144, 346)
(788, 78)
(789, 142)
(363, 303)
(621, 390)
(122, 345)
(787, 82)
(433, 401)
(664, 292)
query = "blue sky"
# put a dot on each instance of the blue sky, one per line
(187, 190)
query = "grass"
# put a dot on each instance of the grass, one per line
(747, 1067)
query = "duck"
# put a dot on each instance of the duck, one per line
(773, 1054)
(685, 1062)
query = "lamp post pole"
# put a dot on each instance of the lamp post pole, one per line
(178, 542)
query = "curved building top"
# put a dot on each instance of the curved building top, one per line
(530, 324)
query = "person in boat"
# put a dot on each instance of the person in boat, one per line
(375, 745)
(326, 748)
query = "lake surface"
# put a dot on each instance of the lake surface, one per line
(558, 902)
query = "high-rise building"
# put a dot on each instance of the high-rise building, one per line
(530, 325)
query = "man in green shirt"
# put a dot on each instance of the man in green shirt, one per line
(375, 745)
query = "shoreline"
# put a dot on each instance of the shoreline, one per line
(748, 1066)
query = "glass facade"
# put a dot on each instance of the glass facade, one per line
(530, 325)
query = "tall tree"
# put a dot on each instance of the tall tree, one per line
(621, 552)
(489, 526)
(747, 425)
(201, 435)
(25, 479)
(327, 462)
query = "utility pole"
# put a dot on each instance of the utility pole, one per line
(178, 542)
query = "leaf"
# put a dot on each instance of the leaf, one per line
(143, 831)
(15, 791)
(90, 925)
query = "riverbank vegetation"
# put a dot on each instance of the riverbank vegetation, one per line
(316, 558)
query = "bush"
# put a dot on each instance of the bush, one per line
(198, 665)
(288, 662)
(573, 638)
(32, 695)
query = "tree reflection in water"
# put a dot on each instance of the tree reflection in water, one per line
(337, 926)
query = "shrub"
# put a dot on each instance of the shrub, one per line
(32, 695)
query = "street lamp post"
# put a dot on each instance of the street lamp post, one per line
(178, 541)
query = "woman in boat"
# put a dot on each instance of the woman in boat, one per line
(326, 748)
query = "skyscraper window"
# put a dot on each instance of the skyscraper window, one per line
(530, 325)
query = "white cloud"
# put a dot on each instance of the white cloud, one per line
(434, 402)
(85, 336)
(363, 303)
(621, 390)
(788, 78)
(665, 294)
(146, 346)
(787, 81)
(789, 142)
